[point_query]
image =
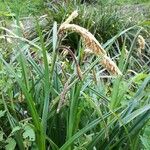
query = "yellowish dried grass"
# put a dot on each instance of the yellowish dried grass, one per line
(90, 43)
(141, 43)
(110, 65)
(71, 17)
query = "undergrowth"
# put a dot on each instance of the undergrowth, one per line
(98, 110)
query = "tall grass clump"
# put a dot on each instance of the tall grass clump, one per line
(54, 95)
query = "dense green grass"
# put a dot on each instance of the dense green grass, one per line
(131, 1)
(97, 110)
(25, 7)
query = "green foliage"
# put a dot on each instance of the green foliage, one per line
(25, 7)
(11, 144)
(97, 111)
(145, 137)
(131, 1)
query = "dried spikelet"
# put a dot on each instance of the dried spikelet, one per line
(79, 72)
(87, 51)
(91, 43)
(70, 18)
(126, 51)
(88, 39)
(63, 95)
(64, 53)
(141, 42)
(110, 66)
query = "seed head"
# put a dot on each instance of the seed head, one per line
(141, 42)
(90, 43)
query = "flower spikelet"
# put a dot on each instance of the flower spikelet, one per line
(90, 43)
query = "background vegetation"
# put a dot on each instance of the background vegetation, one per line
(98, 111)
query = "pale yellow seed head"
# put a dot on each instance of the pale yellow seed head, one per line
(110, 66)
(88, 39)
(90, 43)
(70, 18)
(141, 42)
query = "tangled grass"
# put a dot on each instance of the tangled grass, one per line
(47, 102)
